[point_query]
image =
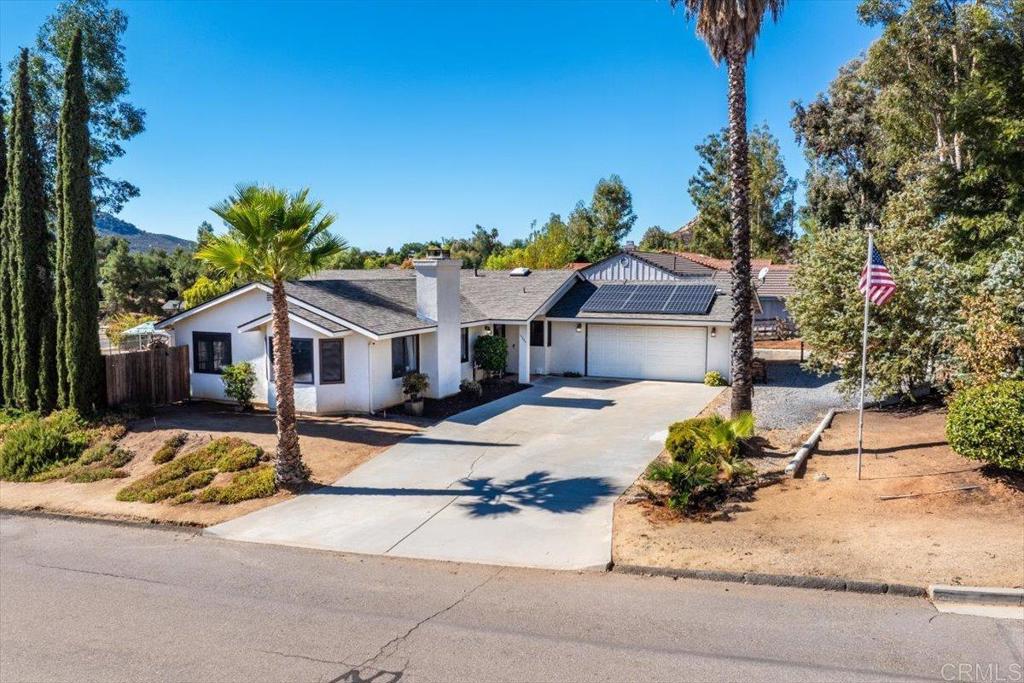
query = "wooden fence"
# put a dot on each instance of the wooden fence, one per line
(154, 377)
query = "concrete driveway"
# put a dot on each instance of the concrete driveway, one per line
(527, 480)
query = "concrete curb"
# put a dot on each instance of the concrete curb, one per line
(1006, 597)
(796, 465)
(828, 583)
(163, 525)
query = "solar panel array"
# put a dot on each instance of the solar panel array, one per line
(677, 299)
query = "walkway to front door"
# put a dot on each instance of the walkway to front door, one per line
(528, 480)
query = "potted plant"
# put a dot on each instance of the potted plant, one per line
(413, 385)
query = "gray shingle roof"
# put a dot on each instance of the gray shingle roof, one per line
(569, 306)
(384, 301)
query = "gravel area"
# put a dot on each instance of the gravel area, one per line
(794, 397)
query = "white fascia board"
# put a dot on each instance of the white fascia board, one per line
(647, 321)
(169, 322)
(298, 320)
(326, 314)
(406, 333)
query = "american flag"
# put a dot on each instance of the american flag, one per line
(882, 285)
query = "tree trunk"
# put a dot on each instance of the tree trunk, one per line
(291, 471)
(742, 289)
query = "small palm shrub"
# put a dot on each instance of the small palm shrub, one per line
(713, 378)
(986, 422)
(490, 353)
(704, 457)
(239, 379)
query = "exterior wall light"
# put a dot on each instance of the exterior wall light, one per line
(579, 327)
(714, 331)
(487, 329)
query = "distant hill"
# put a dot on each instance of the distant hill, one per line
(138, 240)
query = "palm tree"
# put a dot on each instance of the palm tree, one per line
(274, 237)
(730, 28)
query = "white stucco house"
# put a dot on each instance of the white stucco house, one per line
(356, 333)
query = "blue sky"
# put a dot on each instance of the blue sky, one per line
(414, 120)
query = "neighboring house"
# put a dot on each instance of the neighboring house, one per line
(633, 265)
(356, 333)
(775, 291)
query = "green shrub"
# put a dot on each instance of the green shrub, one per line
(175, 487)
(704, 457)
(257, 483)
(182, 498)
(193, 470)
(687, 478)
(571, 374)
(96, 453)
(986, 422)
(84, 475)
(240, 457)
(414, 384)
(170, 448)
(118, 458)
(713, 378)
(490, 353)
(239, 380)
(471, 389)
(33, 444)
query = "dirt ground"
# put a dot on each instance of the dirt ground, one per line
(331, 447)
(841, 527)
(777, 344)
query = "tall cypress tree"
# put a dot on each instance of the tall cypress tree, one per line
(80, 334)
(6, 328)
(25, 217)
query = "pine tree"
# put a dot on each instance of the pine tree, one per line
(82, 361)
(5, 247)
(28, 258)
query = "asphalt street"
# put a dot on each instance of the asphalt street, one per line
(85, 601)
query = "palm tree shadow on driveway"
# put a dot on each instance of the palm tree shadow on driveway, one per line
(485, 497)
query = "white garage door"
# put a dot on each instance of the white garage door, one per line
(646, 352)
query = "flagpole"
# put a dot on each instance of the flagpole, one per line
(864, 353)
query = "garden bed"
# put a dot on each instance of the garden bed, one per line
(492, 390)
(830, 524)
(331, 448)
